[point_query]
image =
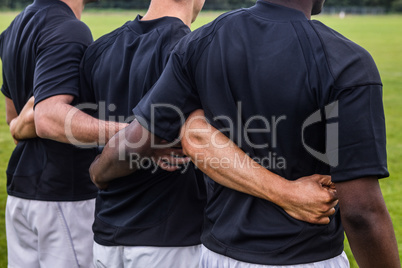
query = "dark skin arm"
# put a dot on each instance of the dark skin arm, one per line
(116, 158)
(367, 223)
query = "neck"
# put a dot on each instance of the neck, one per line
(164, 8)
(303, 6)
(77, 6)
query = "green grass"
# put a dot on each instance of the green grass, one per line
(380, 35)
(6, 147)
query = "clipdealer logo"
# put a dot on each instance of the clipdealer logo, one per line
(238, 129)
(331, 154)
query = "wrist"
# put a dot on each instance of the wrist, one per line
(281, 194)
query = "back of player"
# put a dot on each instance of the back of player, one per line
(265, 75)
(47, 182)
(154, 214)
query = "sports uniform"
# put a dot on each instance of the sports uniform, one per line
(275, 83)
(47, 182)
(146, 215)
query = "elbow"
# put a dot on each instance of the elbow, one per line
(187, 149)
(196, 134)
(8, 120)
(356, 222)
(193, 143)
(42, 125)
(363, 219)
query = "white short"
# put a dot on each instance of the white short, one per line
(211, 259)
(146, 257)
(49, 234)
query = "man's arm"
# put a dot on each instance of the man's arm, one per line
(23, 126)
(309, 199)
(367, 223)
(133, 142)
(11, 112)
(56, 119)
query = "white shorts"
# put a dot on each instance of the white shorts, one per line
(49, 234)
(211, 259)
(146, 257)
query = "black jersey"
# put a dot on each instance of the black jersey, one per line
(150, 207)
(41, 52)
(296, 96)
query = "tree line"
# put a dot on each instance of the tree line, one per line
(389, 5)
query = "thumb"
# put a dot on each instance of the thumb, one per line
(326, 180)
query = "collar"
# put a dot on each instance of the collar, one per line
(276, 12)
(45, 3)
(144, 26)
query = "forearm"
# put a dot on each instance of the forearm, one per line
(115, 160)
(218, 157)
(64, 123)
(220, 164)
(23, 128)
(125, 150)
(311, 199)
(112, 163)
(367, 224)
(11, 112)
(81, 128)
(373, 241)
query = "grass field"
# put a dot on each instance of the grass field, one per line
(380, 35)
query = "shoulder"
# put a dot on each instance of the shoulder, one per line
(61, 26)
(74, 30)
(102, 43)
(200, 39)
(107, 42)
(350, 64)
(172, 33)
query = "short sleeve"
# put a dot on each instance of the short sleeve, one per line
(4, 87)
(362, 136)
(86, 88)
(164, 109)
(57, 71)
(58, 56)
(357, 122)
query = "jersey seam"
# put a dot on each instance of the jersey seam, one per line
(228, 248)
(210, 36)
(373, 83)
(356, 168)
(304, 55)
(95, 56)
(43, 97)
(331, 71)
(271, 20)
(46, 197)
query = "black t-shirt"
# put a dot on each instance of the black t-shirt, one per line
(150, 207)
(41, 52)
(297, 97)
